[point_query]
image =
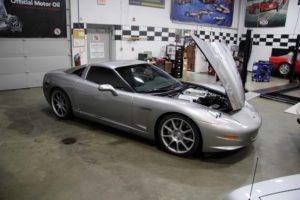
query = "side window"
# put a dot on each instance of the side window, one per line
(101, 75)
(79, 72)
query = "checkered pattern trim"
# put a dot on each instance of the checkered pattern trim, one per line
(168, 34)
(276, 40)
(210, 36)
(148, 32)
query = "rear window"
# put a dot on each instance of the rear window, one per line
(76, 70)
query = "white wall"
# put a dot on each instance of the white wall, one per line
(119, 12)
(129, 50)
(292, 27)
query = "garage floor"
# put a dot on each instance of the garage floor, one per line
(106, 163)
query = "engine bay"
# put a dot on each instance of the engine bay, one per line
(202, 95)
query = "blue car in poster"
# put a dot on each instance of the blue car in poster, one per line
(214, 12)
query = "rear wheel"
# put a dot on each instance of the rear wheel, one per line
(284, 69)
(178, 135)
(60, 104)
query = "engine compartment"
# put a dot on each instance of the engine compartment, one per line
(202, 95)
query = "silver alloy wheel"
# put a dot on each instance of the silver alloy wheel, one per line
(177, 135)
(284, 68)
(59, 103)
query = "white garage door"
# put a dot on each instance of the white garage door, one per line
(23, 62)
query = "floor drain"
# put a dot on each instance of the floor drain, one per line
(69, 140)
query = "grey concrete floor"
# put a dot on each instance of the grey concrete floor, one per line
(106, 163)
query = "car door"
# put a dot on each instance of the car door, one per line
(104, 105)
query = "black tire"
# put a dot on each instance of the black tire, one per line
(61, 104)
(284, 69)
(178, 141)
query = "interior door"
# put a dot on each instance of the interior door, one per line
(98, 40)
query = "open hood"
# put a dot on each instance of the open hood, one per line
(220, 58)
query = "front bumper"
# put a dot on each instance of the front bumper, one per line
(240, 130)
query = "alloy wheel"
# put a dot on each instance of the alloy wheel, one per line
(59, 104)
(177, 135)
(284, 69)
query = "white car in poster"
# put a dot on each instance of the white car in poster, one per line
(282, 188)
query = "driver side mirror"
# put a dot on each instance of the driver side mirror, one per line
(109, 88)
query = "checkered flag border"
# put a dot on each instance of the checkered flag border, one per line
(168, 34)
(274, 40)
(148, 32)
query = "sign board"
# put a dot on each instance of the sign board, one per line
(97, 50)
(78, 37)
(33, 18)
(101, 2)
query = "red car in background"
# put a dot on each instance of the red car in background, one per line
(282, 64)
(256, 7)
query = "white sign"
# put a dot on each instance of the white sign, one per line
(97, 50)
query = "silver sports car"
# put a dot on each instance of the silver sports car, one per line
(142, 99)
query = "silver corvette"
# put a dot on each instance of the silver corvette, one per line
(142, 99)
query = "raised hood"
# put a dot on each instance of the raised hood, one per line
(220, 58)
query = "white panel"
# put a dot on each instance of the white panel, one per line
(11, 48)
(45, 64)
(46, 47)
(35, 79)
(12, 81)
(12, 65)
(92, 13)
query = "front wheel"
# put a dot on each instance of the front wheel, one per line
(60, 104)
(178, 135)
(284, 69)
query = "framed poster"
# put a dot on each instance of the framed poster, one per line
(215, 12)
(266, 13)
(33, 19)
(149, 3)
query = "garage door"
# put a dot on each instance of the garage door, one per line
(23, 62)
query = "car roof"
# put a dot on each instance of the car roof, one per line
(119, 63)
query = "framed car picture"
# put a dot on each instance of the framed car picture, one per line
(219, 13)
(266, 13)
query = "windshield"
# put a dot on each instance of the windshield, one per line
(145, 78)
